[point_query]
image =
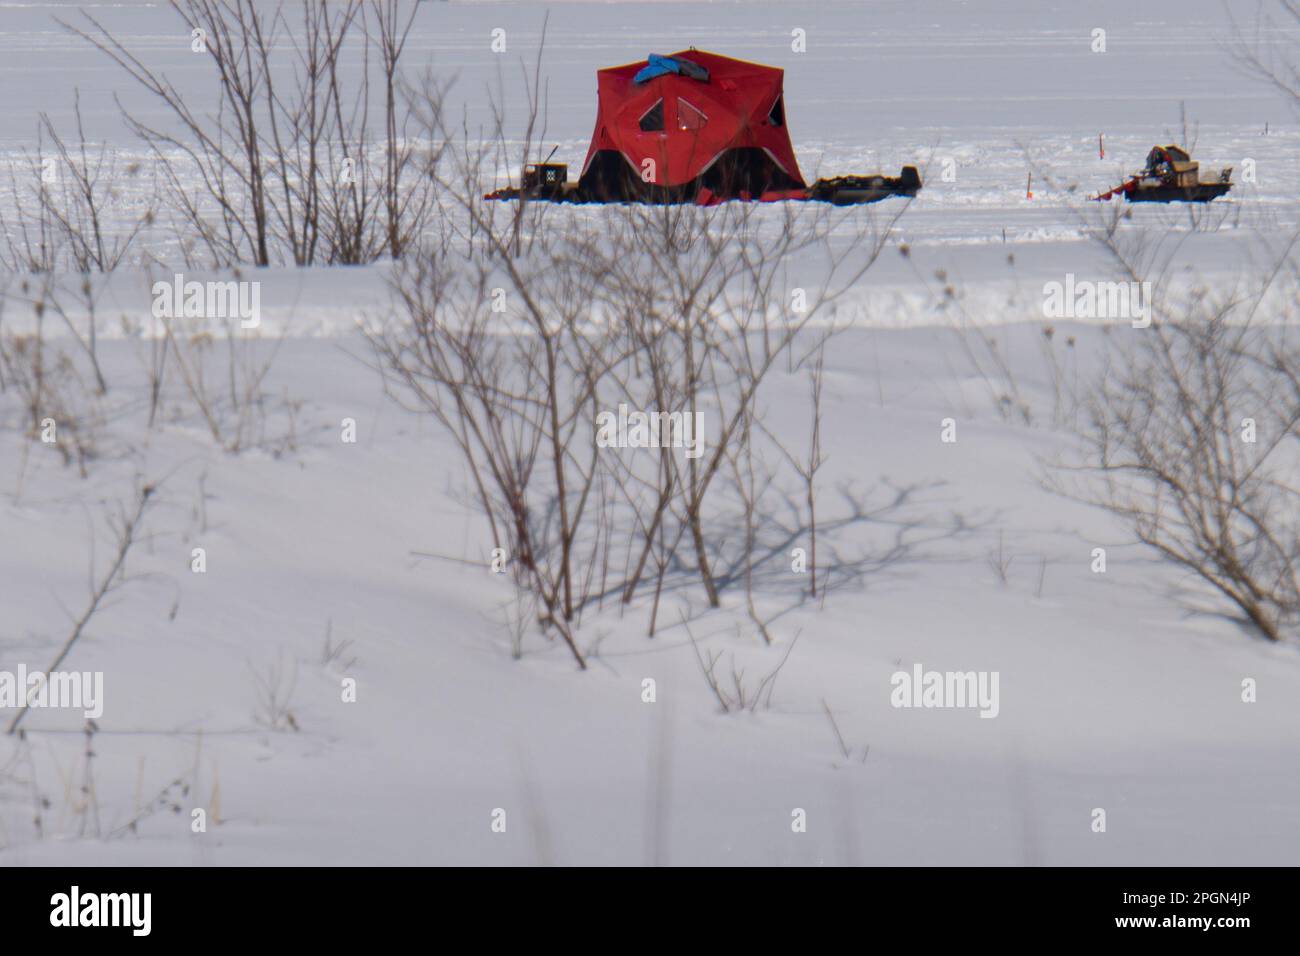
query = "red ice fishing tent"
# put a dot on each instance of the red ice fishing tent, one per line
(693, 125)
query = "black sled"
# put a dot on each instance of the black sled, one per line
(851, 190)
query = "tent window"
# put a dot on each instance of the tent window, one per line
(776, 116)
(653, 119)
(688, 117)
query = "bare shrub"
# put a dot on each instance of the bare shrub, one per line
(126, 525)
(999, 559)
(290, 167)
(515, 392)
(1191, 439)
(223, 369)
(732, 690)
(57, 405)
(67, 803)
(273, 688)
(72, 208)
(337, 654)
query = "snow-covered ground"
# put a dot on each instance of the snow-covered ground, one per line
(1112, 694)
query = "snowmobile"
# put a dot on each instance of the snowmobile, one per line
(1171, 175)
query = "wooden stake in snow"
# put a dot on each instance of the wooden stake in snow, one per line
(1029, 187)
(1101, 145)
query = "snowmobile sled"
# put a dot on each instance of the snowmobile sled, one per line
(848, 190)
(1171, 175)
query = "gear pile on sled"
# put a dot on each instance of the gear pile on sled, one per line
(695, 127)
(1171, 175)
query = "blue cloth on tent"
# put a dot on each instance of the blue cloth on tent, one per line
(657, 65)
